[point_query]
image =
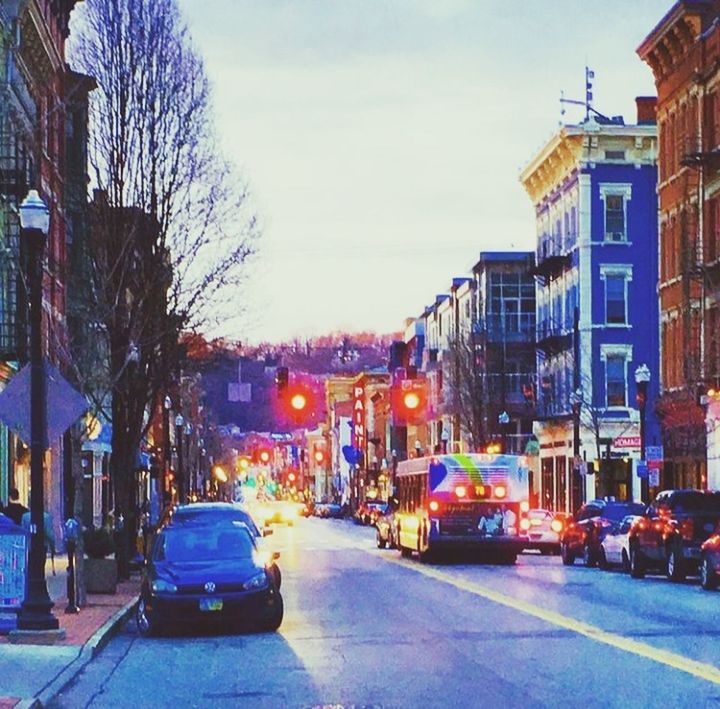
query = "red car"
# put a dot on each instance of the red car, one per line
(710, 561)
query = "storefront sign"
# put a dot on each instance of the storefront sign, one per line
(358, 420)
(627, 442)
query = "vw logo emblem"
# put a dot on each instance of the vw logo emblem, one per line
(210, 587)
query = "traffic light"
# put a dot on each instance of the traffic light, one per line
(281, 380)
(318, 453)
(409, 401)
(299, 403)
(263, 456)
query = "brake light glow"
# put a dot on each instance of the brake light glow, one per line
(434, 505)
(460, 491)
(687, 527)
(525, 524)
(535, 522)
(500, 491)
(524, 506)
(556, 525)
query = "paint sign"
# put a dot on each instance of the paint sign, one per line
(359, 433)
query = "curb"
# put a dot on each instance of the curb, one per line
(89, 650)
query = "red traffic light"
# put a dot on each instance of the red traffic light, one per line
(409, 401)
(291, 477)
(263, 456)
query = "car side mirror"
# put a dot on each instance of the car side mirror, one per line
(267, 531)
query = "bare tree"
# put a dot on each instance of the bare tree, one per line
(465, 383)
(171, 222)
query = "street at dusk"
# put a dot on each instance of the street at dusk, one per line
(359, 353)
(364, 627)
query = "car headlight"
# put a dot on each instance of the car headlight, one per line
(163, 586)
(258, 581)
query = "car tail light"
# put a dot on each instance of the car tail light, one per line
(461, 491)
(500, 491)
(524, 524)
(524, 506)
(556, 525)
(434, 505)
(687, 528)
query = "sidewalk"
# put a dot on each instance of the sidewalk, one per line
(30, 675)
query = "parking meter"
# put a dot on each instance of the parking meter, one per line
(71, 530)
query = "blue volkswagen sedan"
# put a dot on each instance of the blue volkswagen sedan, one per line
(207, 575)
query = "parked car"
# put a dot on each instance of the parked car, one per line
(710, 561)
(541, 529)
(207, 574)
(386, 527)
(615, 546)
(670, 535)
(584, 533)
(219, 512)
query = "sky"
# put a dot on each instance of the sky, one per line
(383, 139)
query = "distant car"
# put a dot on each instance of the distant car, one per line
(670, 536)
(386, 526)
(369, 511)
(540, 529)
(279, 512)
(217, 512)
(207, 574)
(584, 533)
(615, 546)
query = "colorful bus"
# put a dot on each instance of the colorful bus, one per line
(473, 501)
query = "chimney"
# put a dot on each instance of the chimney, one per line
(646, 110)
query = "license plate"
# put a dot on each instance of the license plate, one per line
(211, 604)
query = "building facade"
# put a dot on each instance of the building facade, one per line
(683, 51)
(593, 190)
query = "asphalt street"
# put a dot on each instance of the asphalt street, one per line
(365, 628)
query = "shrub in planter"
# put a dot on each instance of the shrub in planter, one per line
(100, 573)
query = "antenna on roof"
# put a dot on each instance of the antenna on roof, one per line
(587, 103)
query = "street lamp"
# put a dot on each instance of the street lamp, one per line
(179, 421)
(190, 483)
(36, 612)
(576, 404)
(642, 379)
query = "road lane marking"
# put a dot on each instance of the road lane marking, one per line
(702, 670)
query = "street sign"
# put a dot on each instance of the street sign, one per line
(654, 452)
(654, 477)
(627, 442)
(642, 469)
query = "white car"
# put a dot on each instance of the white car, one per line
(540, 529)
(614, 548)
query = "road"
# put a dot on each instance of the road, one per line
(365, 628)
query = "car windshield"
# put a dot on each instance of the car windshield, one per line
(696, 502)
(618, 511)
(207, 516)
(204, 544)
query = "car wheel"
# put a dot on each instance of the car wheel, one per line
(637, 565)
(588, 556)
(625, 562)
(276, 616)
(568, 558)
(708, 578)
(675, 570)
(602, 559)
(143, 618)
(381, 543)
(277, 576)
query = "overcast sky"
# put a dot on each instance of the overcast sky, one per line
(382, 139)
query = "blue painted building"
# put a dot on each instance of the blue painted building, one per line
(593, 187)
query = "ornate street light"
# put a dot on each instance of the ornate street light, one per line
(179, 423)
(36, 612)
(642, 379)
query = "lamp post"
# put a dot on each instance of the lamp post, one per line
(190, 481)
(36, 612)
(167, 405)
(576, 404)
(179, 422)
(642, 379)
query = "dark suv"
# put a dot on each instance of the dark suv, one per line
(584, 533)
(669, 535)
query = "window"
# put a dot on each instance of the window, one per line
(615, 306)
(614, 217)
(614, 154)
(615, 380)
